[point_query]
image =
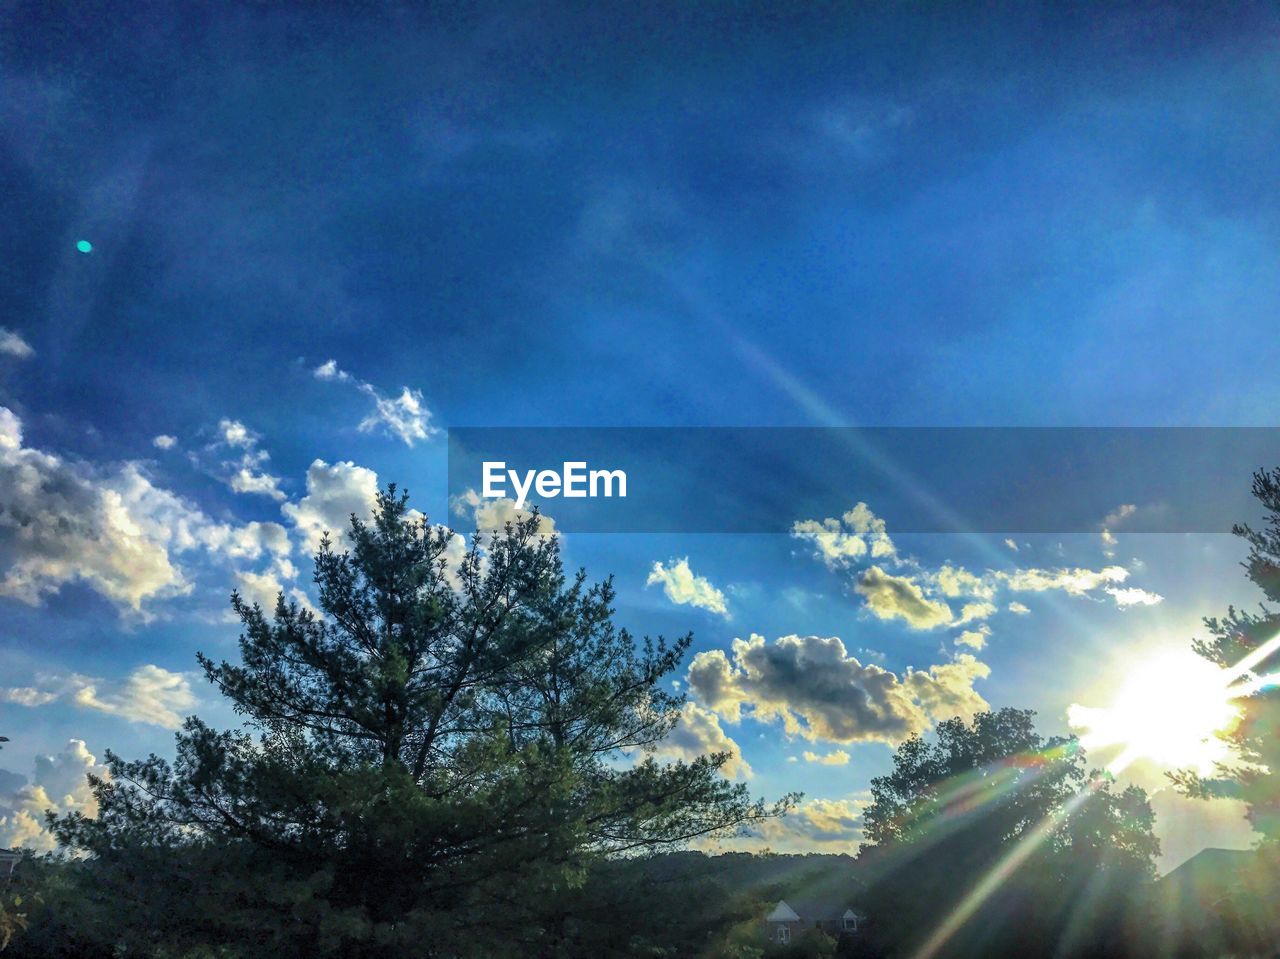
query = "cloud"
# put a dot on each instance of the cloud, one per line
(1074, 582)
(918, 594)
(1018, 608)
(684, 588)
(490, 516)
(12, 344)
(818, 691)
(328, 370)
(113, 529)
(164, 441)
(59, 784)
(245, 474)
(1132, 596)
(265, 587)
(857, 533)
(970, 612)
(334, 493)
(236, 434)
(698, 733)
(827, 825)
(974, 638)
(837, 757)
(150, 694)
(955, 581)
(405, 416)
(899, 597)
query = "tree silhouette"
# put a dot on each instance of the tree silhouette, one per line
(427, 763)
(994, 802)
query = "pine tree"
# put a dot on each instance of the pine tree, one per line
(1250, 776)
(425, 764)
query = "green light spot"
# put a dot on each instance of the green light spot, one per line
(84, 246)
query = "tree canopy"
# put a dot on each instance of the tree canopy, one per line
(993, 804)
(1240, 636)
(427, 761)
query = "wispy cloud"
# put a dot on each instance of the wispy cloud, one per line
(12, 344)
(404, 416)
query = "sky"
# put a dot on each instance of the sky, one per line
(259, 259)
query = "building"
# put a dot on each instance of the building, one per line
(789, 918)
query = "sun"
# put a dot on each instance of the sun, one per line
(1169, 710)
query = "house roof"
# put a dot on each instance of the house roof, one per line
(812, 910)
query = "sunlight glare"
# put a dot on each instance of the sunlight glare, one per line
(1169, 710)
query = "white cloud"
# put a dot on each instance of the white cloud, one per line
(12, 344)
(837, 757)
(59, 784)
(491, 516)
(698, 733)
(234, 433)
(246, 473)
(1018, 609)
(334, 493)
(164, 441)
(405, 416)
(111, 529)
(328, 370)
(974, 638)
(826, 825)
(899, 597)
(818, 691)
(857, 533)
(1074, 582)
(684, 588)
(1011, 544)
(264, 588)
(150, 694)
(1132, 596)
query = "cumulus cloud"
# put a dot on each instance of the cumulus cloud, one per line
(113, 529)
(837, 757)
(839, 542)
(699, 733)
(974, 638)
(817, 690)
(685, 588)
(164, 441)
(246, 473)
(12, 344)
(1132, 596)
(334, 493)
(59, 784)
(828, 825)
(405, 416)
(264, 588)
(150, 694)
(894, 586)
(899, 597)
(491, 516)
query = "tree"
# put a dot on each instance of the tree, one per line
(427, 764)
(994, 800)
(1255, 739)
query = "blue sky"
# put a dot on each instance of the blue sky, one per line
(606, 215)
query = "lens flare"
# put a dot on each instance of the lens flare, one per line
(1169, 710)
